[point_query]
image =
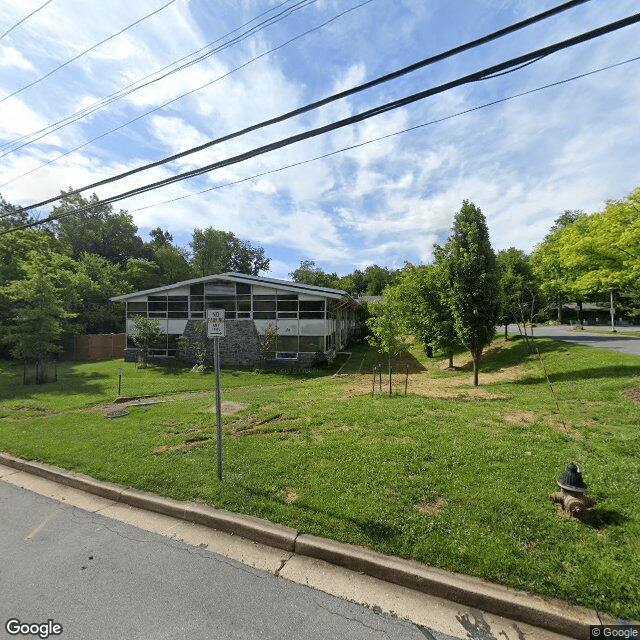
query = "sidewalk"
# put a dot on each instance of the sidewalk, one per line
(453, 604)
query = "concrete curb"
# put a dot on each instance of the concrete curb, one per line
(551, 614)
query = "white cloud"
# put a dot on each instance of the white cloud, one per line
(10, 57)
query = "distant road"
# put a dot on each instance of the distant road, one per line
(620, 342)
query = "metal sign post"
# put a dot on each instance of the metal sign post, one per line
(216, 330)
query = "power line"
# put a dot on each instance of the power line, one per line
(512, 63)
(122, 126)
(8, 31)
(152, 78)
(95, 46)
(362, 87)
(337, 151)
(391, 135)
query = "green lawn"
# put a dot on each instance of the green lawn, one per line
(447, 477)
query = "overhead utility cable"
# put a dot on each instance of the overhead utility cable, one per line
(388, 135)
(95, 46)
(165, 72)
(348, 148)
(8, 31)
(337, 96)
(474, 77)
(159, 107)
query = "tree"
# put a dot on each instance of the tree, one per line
(555, 279)
(160, 237)
(472, 281)
(173, 265)
(377, 278)
(517, 288)
(145, 333)
(39, 302)
(309, 273)
(387, 330)
(91, 227)
(217, 251)
(99, 280)
(422, 304)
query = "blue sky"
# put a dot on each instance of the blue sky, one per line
(522, 161)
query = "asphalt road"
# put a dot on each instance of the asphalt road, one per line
(620, 342)
(100, 578)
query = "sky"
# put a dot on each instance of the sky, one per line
(388, 188)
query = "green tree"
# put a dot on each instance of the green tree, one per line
(98, 280)
(420, 296)
(87, 226)
(309, 273)
(517, 288)
(472, 281)
(217, 251)
(145, 333)
(39, 302)
(387, 331)
(555, 279)
(142, 274)
(173, 264)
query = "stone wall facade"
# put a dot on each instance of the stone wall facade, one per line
(240, 347)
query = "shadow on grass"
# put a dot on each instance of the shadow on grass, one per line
(620, 371)
(600, 518)
(69, 381)
(375, 530)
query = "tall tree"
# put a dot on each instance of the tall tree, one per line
(555, 279)
(517, 287)
(217, 251)
(91, 227)
(39, 302)
(420, 297)
(472, 281)
(309, 273)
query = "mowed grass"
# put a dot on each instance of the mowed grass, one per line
(449, 478)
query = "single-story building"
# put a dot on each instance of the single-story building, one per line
(302, 319)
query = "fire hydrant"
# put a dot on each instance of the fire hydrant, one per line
(572, 493)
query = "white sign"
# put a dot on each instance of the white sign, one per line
(215, 323)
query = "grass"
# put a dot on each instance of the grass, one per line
(452, 476)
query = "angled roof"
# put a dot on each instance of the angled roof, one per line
(285, 285)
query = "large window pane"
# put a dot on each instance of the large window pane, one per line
(311, 343)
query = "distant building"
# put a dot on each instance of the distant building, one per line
(306, 319)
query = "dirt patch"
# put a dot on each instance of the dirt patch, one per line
(432, 506)
(228, 408)
(422, 384)
(290, 495)
(520, 417)
(633, 394)
(185, 446)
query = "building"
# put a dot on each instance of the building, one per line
(303, 319)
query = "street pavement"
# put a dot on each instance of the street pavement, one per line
(103, 569)
(620, 342)
(100, 578)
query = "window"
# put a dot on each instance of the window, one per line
(287, 343)
(136, 309)
(311, 309)
(157, 306)
(178, 306)
(264, 307)
(311, 344)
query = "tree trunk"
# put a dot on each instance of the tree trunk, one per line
(505, 331)
(451, 360)
(560, 311)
